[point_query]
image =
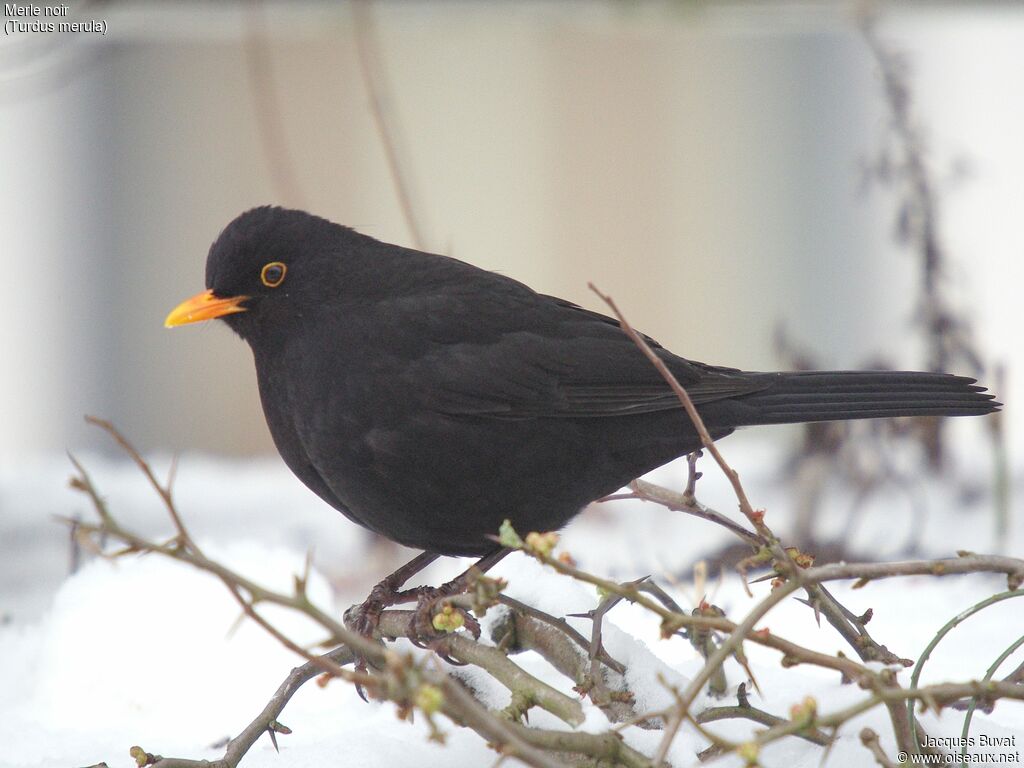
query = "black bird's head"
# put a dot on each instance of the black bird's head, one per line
(263, 269)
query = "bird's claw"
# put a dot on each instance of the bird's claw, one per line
(361, 669)
(434, 617)
(364, 619)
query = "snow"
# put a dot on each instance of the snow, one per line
(144, 650)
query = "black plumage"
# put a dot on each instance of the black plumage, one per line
(428, 400)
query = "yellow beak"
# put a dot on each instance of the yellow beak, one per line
(203, 306)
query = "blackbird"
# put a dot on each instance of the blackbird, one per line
(429, 400)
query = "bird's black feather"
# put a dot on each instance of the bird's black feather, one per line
(429, 400)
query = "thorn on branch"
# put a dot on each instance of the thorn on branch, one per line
(741, 696)
(690, 492)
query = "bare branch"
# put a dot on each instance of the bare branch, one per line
(376, 90)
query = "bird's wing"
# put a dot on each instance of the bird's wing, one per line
(563, 362)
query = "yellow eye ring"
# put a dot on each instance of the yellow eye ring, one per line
(273, 274)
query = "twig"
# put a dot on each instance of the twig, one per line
(497, 664)
(850, 627)
(596, 649)
(268, 109)
(783, 561)
(660, 594)
(813, 735)
(376, 90)
(606, 748)
(240, 745)
(680, 502)
(402, 679)
(563, 626)
(522, 632)
(511, 738)
(691, 411)
(870, 740)
(164, 492)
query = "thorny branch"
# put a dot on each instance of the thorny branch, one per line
(426, 685)
(787, 564)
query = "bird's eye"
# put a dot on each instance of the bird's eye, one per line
(272, 274)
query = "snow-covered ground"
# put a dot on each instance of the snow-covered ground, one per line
(150, 652)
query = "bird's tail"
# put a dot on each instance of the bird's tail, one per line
(834, 395)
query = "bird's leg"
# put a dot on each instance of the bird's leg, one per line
(428, 597)
(363, 618)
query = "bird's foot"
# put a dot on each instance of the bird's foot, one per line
(436, 614)
(365, 617)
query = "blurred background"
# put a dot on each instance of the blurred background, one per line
(703, 162)
(733, 173)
